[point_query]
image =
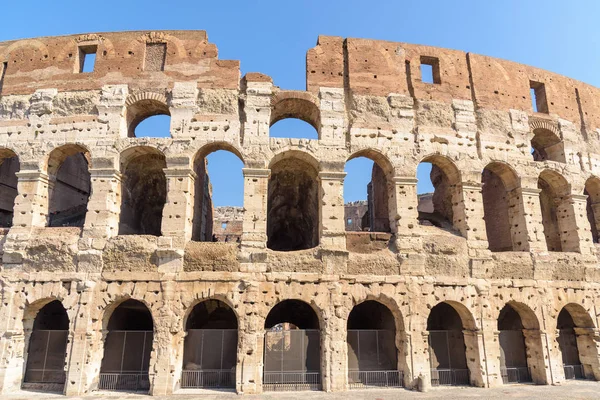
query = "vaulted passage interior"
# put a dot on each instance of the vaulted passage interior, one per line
(372, 352)
(546, 145)
(575, 336)
(127, 348)
(293, 205)
(210, 346)
(143, 191)
(46, 353)
(558, 216)
(9, 166)
(503, 209)
(447, 351)
(292, 348)
(69, 186)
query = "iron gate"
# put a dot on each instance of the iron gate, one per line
(209, 358)
(372, 359)
(513, 357)
(46, 356)
(292, 360)
(126, 361)
(447, 357)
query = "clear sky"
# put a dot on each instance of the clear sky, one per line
(272, 37)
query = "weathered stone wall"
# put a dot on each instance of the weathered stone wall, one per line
(148, 198)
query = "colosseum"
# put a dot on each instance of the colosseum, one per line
(111, 278)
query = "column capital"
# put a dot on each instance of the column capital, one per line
(332, 175)
(29, 176)
(578, 198)
(405, 180)
(530, 191)
(111, 173)
(473, 186)
(179, 173)
(256, 172)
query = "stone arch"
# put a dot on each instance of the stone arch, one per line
(503, 210)
(163, 37)
(576, 332)
(202, 221)
(293, 207)
(558, 215)
(46, 324)
(128, 342)
(144, 190)
(546, 141)
(9, 166)
(592, 191)
(295, 104)
(70, 184)
(35, 44)
(380, 213)
(447, 199)
(292, 344)
(521, 348)
(141, 106)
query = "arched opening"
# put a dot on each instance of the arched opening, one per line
(575, 337)
(447, 350)
(592, 191)
(293, 205)
(503, 208)
(127, 348)
(148, 118)
(546, 145)
(143, 191)
(558, 216)
(210, 346)
(292, 348)
(9, 166)
(293, 128)
(372, 353)
(69, 186)
(218, 196)
(366, 195)
(520, 345)
(439, 189)
(45, 368)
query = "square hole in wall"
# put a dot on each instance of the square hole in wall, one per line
(87, 58)
(430, 70)
(539, 101)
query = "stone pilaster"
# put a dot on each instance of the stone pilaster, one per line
(533, 218)
(474, 353)
(588, 344)
(472, 225)
(404, 214)
(250, 344)
(257, 110)
(333, 116)
(538, 356)
(179, 207)
(254, 228)
(576, 231)
(11, 345)
(104, 204)
(111, 109)
(332, 225)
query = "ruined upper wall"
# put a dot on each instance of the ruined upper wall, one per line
(121, 58)
(379, 68)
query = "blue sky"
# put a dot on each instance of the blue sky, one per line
(272, 37)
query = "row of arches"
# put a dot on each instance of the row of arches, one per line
(292, 346)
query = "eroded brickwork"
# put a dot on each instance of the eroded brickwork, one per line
(95, 216)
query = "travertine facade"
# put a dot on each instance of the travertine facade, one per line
(510, 226)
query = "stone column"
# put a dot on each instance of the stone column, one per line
(11, 344)
(517, 220)
(475, 354)
(178, 212)
(163, 356)
(588, 344)
(79, 374)
(254, 227)
(404, 213)
(533, 218)
(335, 346)
(421, 363)
(576, 234)
(537, 356)
(470, 219)
(249, 370)
(489, 345)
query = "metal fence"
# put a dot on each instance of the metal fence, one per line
(126, 361)
(515, 374)
(124, 381)
(368, 379)
(209, 358)
(46, 357)
(292, 360)
(574, 371)
(449, 377)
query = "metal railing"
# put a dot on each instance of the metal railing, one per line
(45, 375)
(449, 377)
(291, 381)
(574, 371)
(515, 374)
(208, 378)
(124, 381)
(367, 379)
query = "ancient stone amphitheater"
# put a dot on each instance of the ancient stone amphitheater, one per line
(110, 279)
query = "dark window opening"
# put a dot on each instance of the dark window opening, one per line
(218, 198)
(127, 348)
(8, 182)
(143, 194)
(447, 350)
(210, 346)
(70, 187)
(87, 58)
(430, 70)
(47, 348)
(156, 56)
(539, 100)
(293, 206)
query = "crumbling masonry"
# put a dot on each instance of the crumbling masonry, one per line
(106, 239)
